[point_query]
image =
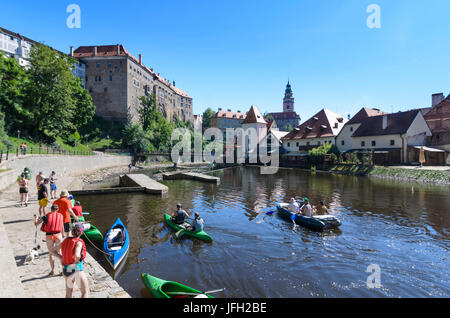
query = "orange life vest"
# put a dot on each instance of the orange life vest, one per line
(68, 250)
(54, 223)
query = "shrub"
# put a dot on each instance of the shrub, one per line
(317, 155)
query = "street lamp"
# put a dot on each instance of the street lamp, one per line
(18, 139)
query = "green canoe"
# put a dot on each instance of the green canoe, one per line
(93, 233)
(160, 288)
(201, 235)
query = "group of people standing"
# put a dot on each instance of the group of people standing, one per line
(306, 209)
(62, 239)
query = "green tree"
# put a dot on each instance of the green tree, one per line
(317, 155)
(207, 115)
(56, 99)
(157, 128)
(135, 139)
(12, 80)
(3, 137)
(83, 103)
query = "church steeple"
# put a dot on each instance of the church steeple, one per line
(288, 101)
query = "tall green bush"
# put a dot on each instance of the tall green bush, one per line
(317, 155)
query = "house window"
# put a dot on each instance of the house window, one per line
(392, 142)
(289, 144)
(110, 78)
(363, 143)
(105, 89)
(374, 143)
(342, 142)
(308, 143)
(109, 65)
(99, 78)
(351, 128)
(98, 65)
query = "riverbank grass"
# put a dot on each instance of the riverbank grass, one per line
(419, 174)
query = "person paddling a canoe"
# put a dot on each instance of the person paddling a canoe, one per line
(293, 206)
(306, 210)
(198, 223)
(180, 215)
(322, 209)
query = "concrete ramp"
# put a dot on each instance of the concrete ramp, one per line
(190, 176)
(143, 181)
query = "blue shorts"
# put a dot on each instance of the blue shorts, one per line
(53, 187)
(69, 270)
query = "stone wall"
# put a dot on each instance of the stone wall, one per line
(62, 165)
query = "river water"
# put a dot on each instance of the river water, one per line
(402, 228)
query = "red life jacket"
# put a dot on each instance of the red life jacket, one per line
(54, 223)
(68, 250)
(78, 210)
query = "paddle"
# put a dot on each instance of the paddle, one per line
(196, 294)
(293, 221)
(261, 211)
(86, 213)
(180, 233)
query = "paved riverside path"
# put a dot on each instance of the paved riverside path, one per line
(19, 279)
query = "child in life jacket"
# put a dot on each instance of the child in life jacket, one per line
(73, 251)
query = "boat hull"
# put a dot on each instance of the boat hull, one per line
(202, 235)
(317, 222)
(116, 256)
(93, 233)
(160, 288)
(305, 221)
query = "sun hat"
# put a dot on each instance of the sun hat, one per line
(64, 193)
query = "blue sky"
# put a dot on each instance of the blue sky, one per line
(234, 54)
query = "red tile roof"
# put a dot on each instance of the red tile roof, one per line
(397, 123)
(120, 50)
(319, 126)
(254, 116)
(230, 115)
(440, 111)
(363, 114)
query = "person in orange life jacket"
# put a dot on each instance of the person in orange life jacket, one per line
(65, 208)
(52, 226)
(78, 209)
(73, 251)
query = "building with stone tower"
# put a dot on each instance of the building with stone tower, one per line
(288, 118)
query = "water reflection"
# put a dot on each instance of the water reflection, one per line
(401, 227)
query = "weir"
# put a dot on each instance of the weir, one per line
(190, 176)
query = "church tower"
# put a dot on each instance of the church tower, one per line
(288, 101)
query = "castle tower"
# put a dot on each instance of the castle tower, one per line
(288, 101)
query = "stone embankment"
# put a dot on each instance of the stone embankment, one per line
(22, 279)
